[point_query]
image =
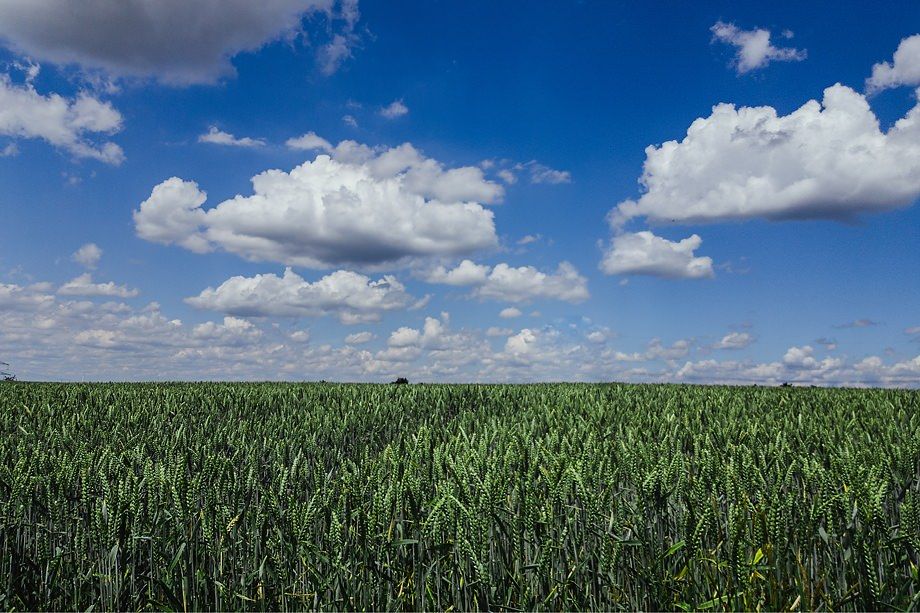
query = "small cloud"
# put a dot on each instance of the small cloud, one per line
(359, 338)
(858, 323)
(644, 253)
(544, 174)
(530, 238)
(507, 176)
(734, 340)
(216, 136)
(510, 313)
(754, 49)
(394, 109)
(829, 344)
(309, 142)
(9, 151)
(87, 256)
(349, 120)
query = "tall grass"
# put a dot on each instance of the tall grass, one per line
(323, 496)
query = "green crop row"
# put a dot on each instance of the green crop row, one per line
(437, 497)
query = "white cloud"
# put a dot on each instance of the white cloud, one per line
(216, 136)
(735, 340)
(232, 331)
(530, 238)
(359, 338)
(83, 285)
(429, 336)
(47, 337)
(510, 313)
(515, 284)
(754, 49)
(904, 69)
(351, 297)
(643, 253)
(544, 174)
(394, 109)
(507, 176)
(333, 54)
(466, 273)
(309, 142)
(824, 160)
(175, 42)
(522, 343)
(173, 214)
(357, 207)
(349, 120)
(88, 255)
(10, 150)
(30, 297)
(65, 123)
(912, 330)
(656, 351)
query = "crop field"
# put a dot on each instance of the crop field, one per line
(457, 497)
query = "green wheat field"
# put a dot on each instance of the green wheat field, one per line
(275, 496)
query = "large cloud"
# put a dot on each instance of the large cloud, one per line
(361, 207)
(176, 41)
(68, 124)
(515, 284)
(350, 296)
(824, 160)
(904, 69)
(643, 253)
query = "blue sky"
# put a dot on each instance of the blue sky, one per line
(461, 191)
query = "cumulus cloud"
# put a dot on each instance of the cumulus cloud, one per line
(349, 296)
(643, 253)
(510, 313)
(87, 256)
(515, 284)
(754, 49)
(232, 331)
(29, 297)
(656, 350)
(395, 109)
(309, 142)
(216, 136)
(49, 337)
(825, 160)
(734, 340)
(904, 69)
(356, 207)
(84, 285)
(71, 124)
(175, 42)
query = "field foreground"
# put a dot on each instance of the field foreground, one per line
(562, 496)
